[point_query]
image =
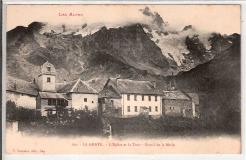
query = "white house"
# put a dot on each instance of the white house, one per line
(82, 96)
(130, 98)
(22, 93)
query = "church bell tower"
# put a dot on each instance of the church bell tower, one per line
(47, 78)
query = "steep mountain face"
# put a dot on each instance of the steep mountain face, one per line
(220, 82)
(127, 51)
(131, 46)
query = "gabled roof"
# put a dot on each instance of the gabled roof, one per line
(126, 86)
(176, 94)
(77, 87)
(21, 86)
(109, 92)
(97, 83)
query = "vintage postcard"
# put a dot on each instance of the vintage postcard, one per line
(122, 79)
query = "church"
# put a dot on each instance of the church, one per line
(49, 97)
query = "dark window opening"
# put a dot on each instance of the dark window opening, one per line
(149, 98)
(142, 97)
(128, 97)
(85, 99)
(128, 109)
(155, 98)
(48, 68)
(49, 102)
(53, 102)
(48, 79)
(135, 97)
(149, 108)
(136, 108)
(156, 108)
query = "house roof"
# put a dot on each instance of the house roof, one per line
(97, 83)
(21, 86)
(176, 94)
(77, 86)
(125, 86)
(109, 92)
(52, 95)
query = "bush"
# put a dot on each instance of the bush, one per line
(14, 113)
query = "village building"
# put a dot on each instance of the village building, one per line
(179, 103)
(114, 96)
(128, 98)
(49, 97)
(22, 93)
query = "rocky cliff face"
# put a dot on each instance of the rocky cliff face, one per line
(131, 51)
(126, 50)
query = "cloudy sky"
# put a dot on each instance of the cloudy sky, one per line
(212, 18)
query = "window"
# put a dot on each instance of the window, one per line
(149, 108)
(136, 108)
(149, 98)
(48, 79)
(156, 108)
(92, 101)
(49, 102)
(128, 97)
(48, 69)
(135, 97)
(128, 109)
(170, 108)
(155, 98)
(59, 102)
(53, 102)
(142, 97)
(85, 99)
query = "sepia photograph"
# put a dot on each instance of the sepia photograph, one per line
(123, 79)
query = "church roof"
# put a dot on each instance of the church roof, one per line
(44, 68)
(78, 86)
(21, 86)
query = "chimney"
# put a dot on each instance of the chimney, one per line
(154, 84)
(64, 81)
(172, 83)
(116, 79)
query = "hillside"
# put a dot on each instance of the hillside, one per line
(220, 82)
